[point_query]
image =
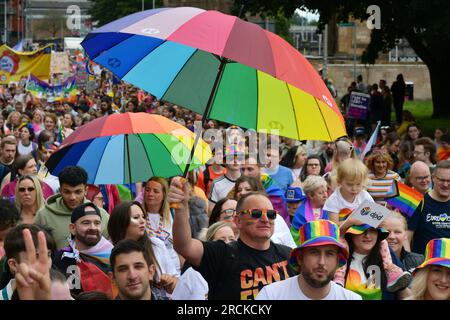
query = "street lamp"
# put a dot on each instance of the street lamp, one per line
(5, 24)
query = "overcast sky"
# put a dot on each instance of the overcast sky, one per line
(308, 15)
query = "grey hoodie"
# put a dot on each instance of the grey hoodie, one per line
(56, 215)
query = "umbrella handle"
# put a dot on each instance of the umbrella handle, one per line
(176, 205)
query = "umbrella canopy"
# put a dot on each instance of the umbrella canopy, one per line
(129, 147)
(219, 66)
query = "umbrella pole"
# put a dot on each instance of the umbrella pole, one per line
(129, 163)
(223, 62)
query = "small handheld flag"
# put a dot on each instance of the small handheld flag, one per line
(407, 201)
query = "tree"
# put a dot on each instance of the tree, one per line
(52, 25)
(105, 11)
(425, 24)
(298, 20)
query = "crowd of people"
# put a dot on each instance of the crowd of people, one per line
(238, 227)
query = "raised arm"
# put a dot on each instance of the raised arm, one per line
(190, 249)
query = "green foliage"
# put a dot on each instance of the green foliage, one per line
(282, 25)
(422, 111)
(424, 24)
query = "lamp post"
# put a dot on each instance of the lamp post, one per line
(5, 30)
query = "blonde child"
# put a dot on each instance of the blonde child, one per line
(351, 178)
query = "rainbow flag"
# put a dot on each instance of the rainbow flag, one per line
(407, 200)
(41, 89)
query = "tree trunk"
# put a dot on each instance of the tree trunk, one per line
(440, 88)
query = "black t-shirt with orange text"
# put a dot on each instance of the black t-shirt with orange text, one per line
(237, 271)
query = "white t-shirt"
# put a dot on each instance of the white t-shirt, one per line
(296, 173)
(163, 257)
(220, 188)
(282, 234)
(336, 201)
(156, 229)
(289, 289)
(24, 150)
(357, 265)
(191, 286)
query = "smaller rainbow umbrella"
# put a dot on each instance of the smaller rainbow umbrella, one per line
(128, 148)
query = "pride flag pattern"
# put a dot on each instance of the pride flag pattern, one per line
(407, 200)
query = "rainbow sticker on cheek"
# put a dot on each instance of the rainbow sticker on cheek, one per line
(134, 220)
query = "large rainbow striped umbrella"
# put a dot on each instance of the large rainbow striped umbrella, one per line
(219, 66)
(129, 147)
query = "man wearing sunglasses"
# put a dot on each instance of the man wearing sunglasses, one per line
(431, 220)
(282, 233)
(239, 270)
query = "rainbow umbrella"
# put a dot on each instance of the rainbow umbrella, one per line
(219, 66)
(128, 148)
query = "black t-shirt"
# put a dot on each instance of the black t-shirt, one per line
(4, 170)
(238, 272)
(430, 222)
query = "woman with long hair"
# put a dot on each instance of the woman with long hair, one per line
(128, 221)
(68, 124)
(29, 197)
(38, 121)
(432, 278)
(295, 159)
(159, 217)
(23, 165)
(13, 122)
(365, 273)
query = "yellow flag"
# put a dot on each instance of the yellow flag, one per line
(15, 65)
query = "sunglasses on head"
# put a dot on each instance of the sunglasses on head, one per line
(257, 213)
(29, 189)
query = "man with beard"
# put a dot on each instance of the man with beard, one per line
(431, 219)
(8, 150)
(327, 151)
(58, 208)
(85, 262)
(317, 258)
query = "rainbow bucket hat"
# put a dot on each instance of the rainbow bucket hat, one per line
(319, 233)
(437, 252)
(360, 229)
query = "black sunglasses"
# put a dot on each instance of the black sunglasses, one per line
(257, 213)
(29, 189)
